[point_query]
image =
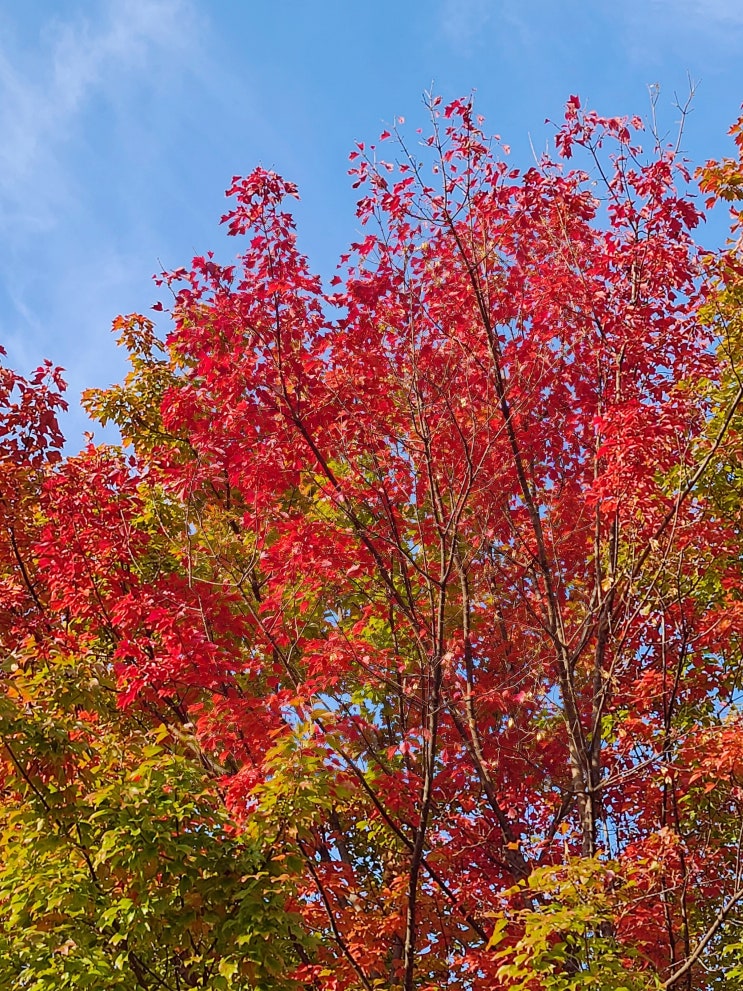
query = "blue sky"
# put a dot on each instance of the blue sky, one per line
(122, 122)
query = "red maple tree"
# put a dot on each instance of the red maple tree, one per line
(435, 572)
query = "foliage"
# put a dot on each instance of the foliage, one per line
(119, 868)
(400, 646)
(567, 938)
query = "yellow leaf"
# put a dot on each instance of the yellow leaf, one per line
(227, 968)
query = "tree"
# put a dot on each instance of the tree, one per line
(408, 626)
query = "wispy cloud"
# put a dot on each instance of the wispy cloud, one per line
(469, 24)
(463, 21)
(725, 11)
(43, 92)
(705, 33)
(72, 103)
(682, 16)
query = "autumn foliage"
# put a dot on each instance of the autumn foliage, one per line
(400, 644)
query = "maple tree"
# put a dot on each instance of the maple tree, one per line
(400, 645)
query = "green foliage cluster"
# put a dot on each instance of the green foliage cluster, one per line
(120, 868)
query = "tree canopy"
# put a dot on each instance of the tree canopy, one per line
(399, 643)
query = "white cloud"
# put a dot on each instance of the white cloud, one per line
(703, 33)
(462, 21)
(467, 23)
(75, 123)
(44, 92)
(726, 11)
(682, 15)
